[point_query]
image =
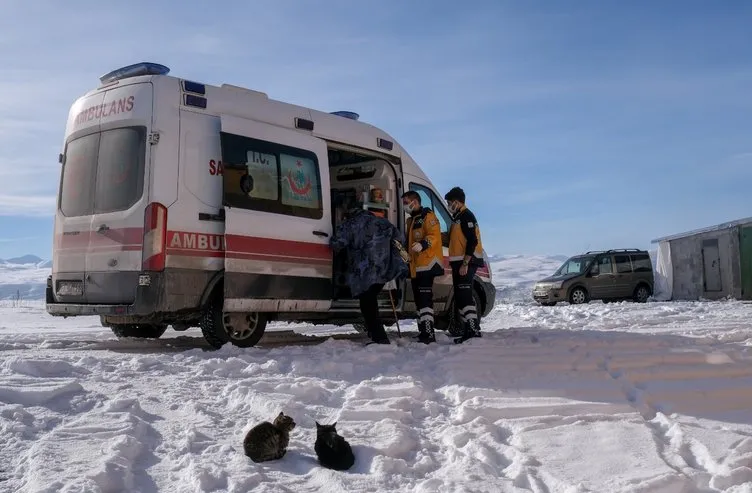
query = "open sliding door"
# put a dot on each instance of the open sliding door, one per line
(277, 219)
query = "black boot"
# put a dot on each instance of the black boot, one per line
(470, 330)
(378, 334)
(425, 332)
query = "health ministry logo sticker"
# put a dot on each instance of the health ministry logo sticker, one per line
(300, 183)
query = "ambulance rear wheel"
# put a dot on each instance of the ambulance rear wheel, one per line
(239, 329)
(245, 329)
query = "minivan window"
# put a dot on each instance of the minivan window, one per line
(604, 265)
(575, 265)
(623, 266)
(103, 172)
(641, 263)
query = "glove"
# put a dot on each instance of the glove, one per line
(417, 247)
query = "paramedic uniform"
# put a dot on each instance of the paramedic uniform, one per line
(465, 240)
(423, 228)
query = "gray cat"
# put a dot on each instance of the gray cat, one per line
(268, 441)
(332, 450)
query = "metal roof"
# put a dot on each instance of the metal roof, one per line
(717, 227)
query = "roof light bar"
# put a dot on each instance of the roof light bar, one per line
(135, 70)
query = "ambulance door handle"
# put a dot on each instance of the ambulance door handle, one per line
(321, 233)
(103, 229)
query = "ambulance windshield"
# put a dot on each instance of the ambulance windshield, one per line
(103, 172)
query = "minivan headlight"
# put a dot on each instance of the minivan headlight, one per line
(556, 285)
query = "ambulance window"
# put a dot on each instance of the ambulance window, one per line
(79, 172)
(263, 172)
(269, 177)
(120, 175)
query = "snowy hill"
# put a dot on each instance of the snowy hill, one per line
(24, 277)
(514, 275)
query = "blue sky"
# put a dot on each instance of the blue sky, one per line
(571, 125)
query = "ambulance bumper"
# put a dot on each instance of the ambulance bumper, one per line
(148, 301)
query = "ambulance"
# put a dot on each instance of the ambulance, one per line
(185, 204)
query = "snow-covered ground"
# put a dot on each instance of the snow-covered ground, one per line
(596, 398)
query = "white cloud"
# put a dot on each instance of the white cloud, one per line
(27, 205)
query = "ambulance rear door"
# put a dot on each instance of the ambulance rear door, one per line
(277, 219)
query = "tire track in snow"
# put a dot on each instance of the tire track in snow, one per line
(645, 375)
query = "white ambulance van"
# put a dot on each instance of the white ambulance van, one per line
(186, 204)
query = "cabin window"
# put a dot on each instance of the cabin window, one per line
(430, 200)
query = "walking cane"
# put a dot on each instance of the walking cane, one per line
(394, 310)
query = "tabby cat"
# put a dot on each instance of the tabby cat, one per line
(268, 441)
(332, 450)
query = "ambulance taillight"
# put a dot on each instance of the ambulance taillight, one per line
(155, 237)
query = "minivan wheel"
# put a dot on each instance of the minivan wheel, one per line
(578, 296)
(641, 294)
(140, 331)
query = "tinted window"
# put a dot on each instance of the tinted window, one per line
(79, 174)
(269, 177)
(120, 174)
(605, 266)
(430, 200)
(623, 266)
(641, 263)
(103, 172)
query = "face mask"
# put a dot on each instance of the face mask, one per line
(453, 207)
(410, 207)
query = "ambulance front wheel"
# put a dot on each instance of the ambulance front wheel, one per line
(239, 329)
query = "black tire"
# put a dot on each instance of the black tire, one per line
(454, 327)
(360, 327)
(250, 330)
(578, 296)
(641, 294)
(217, 326)
(139, 331)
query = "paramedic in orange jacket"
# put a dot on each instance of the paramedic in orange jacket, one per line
(465, 257)
(426, 260)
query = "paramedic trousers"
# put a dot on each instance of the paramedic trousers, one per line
(463, 294)
(422, 285)
(369, 307)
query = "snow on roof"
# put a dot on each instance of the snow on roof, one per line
(717, 227)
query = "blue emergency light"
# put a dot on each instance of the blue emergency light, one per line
(135, 70)
(347, 114)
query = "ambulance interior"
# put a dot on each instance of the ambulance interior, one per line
(359, 181)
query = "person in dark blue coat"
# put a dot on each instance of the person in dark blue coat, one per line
(373, 259)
